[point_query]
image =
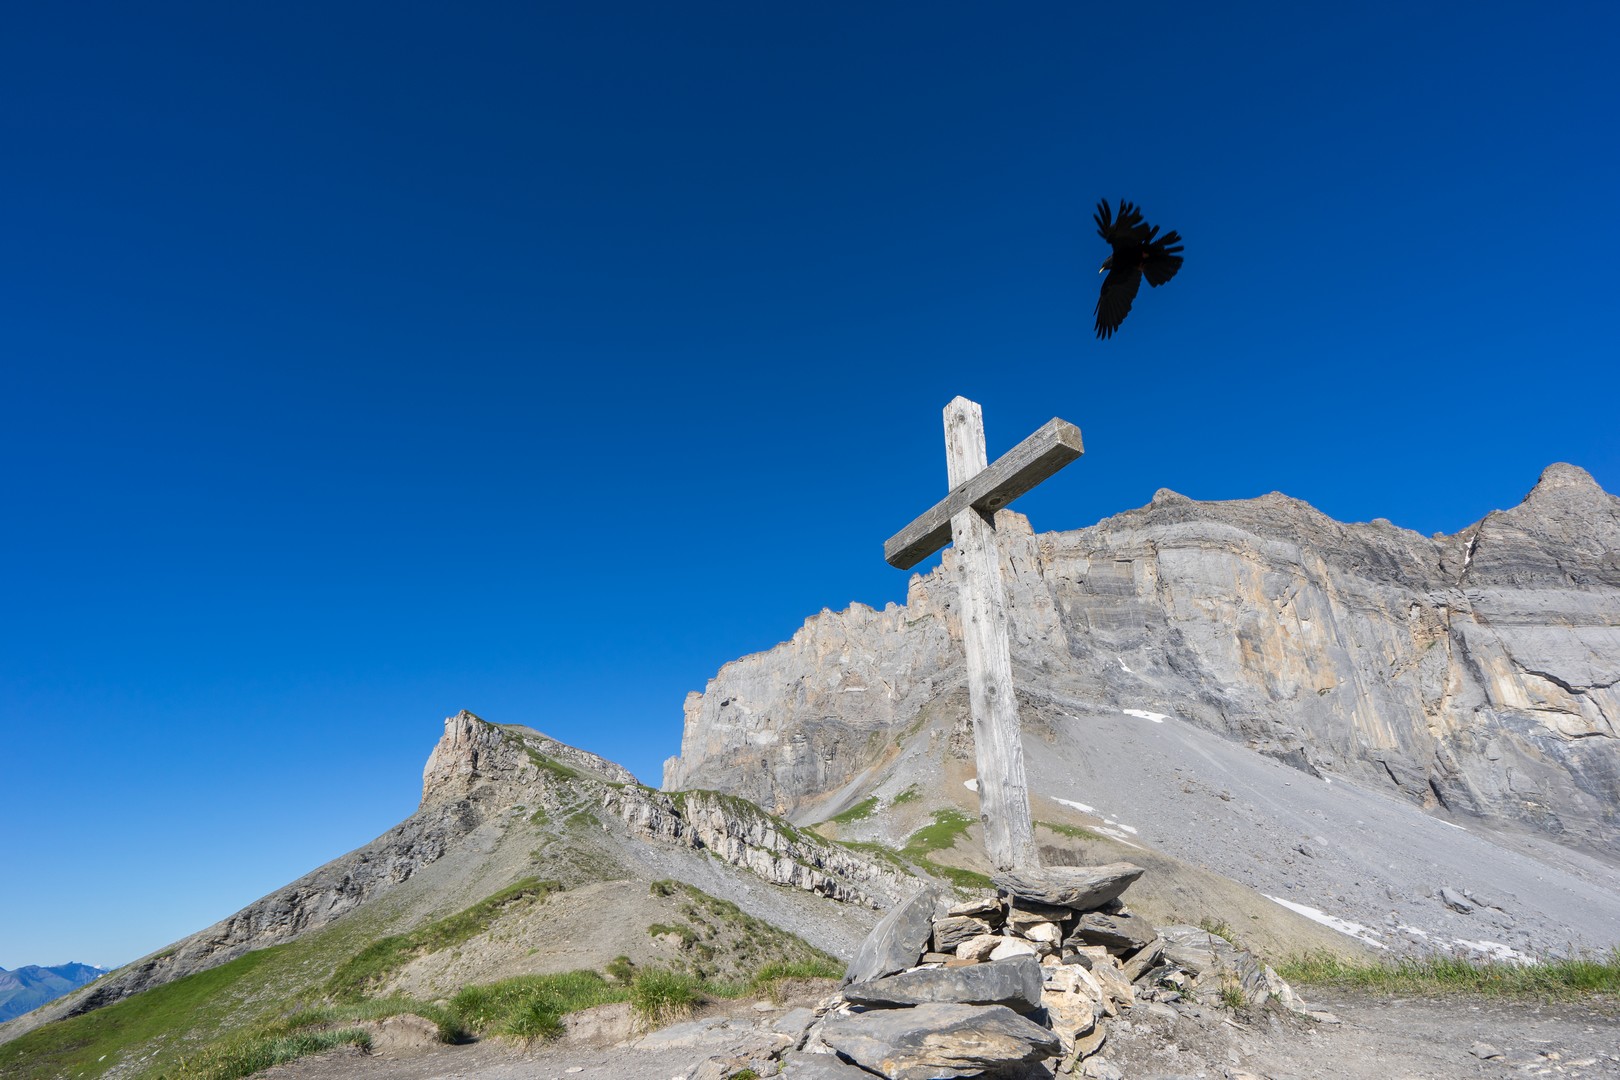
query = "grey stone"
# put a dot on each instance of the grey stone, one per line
(1102, 1069)
(1217, 965)
(1015, 983)
(986, 907)
(951, 930)
(1484, 1051)
(797, 1066)
(979, 948)
(898, 940)
(1023, 913)
(1455, 901)
(939, 1041)
(1119, 932)
(1082, 888)
(1012, 947)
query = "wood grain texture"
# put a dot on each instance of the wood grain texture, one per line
(1009, 837)
(987, 490)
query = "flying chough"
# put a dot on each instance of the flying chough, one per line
(1137, 254)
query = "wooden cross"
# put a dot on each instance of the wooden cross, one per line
(966, 517)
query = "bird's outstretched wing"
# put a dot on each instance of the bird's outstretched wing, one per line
(1161, 258)
(1118, 290)
(1127, 227)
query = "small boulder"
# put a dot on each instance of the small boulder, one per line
(979, 948)
(1083, 888)
(1455, 900)
(1015, 983)
(1012, 947)
(939, 1041)
(1026, 913)
(798, 1066)
(898, 940)
(951, 930)
(1122, 933)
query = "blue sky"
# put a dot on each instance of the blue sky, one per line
(363, 363)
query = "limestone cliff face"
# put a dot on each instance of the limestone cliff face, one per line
(1478, 670)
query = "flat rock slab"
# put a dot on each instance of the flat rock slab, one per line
(1114, 931)
(1082, 888)
(718, 1035)
(931, 1042)
(1015, 983)
(820, 1067)
(898, 940)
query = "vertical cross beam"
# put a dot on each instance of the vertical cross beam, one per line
(966, 516)
(1009, 837)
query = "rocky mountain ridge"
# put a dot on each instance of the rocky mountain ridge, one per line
(481, 782)
(1477, 673)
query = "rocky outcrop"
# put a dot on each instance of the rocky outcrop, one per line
(1480, 671)
(743, 835)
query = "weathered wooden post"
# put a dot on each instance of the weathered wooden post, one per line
(966, 517)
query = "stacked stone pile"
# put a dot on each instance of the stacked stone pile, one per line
(1013, 984)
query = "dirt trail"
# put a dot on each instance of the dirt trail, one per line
(1376, 1038)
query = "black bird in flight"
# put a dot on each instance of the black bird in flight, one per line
(1136, 255)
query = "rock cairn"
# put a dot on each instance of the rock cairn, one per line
(998, 985)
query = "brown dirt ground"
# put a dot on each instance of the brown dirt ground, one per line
(1376, 1038)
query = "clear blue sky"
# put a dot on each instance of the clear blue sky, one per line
(362, 363)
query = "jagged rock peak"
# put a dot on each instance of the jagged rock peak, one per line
(474, 750)
(1561, 476)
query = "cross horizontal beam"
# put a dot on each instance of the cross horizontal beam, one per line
(1055, 445)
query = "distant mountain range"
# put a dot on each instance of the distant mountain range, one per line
(27, 988)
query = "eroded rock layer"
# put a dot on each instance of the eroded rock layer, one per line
(1479, 670)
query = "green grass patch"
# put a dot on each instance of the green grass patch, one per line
(246, 1056)
(949, 824)
(1218, 927)
(551, 765)
(1552, 979)
(531, 1007)
(768, 980)
(859, 812)
(911, 794)
(659, 996)
(373, 965)
(967, 880)
(687, 935)
(90, 1044)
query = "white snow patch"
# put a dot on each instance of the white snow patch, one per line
(1497, 951)
(1416, 931)
(971, 785)
(1084, 809)
(1117, 835)
(1449, 825)
(1143, 714)
(1333, 922)
(1122, 664)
